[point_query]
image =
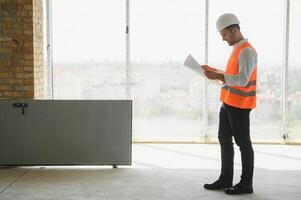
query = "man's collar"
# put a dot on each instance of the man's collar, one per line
(238, 44)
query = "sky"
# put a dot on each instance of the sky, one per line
(168, 30)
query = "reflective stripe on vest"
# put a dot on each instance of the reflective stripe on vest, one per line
(239, 92)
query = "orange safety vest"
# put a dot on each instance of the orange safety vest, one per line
(237, 96)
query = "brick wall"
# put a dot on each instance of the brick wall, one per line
(21, 49)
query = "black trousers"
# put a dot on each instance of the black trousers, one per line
(235, 122)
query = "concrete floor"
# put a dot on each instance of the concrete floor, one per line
(159, 171)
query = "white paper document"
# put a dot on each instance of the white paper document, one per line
(192, 64)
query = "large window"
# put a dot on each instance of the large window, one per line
(89, 49)
(167, 97)
(92, 55)
(266, 36)
(294, 74)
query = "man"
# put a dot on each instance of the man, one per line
(238, 96)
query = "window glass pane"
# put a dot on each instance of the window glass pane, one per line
(89, 49)
(294, 74)
(266, 35)
(167, 97)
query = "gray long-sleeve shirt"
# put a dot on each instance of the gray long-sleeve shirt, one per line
(247, 61)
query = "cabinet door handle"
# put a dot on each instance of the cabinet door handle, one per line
(21, 105)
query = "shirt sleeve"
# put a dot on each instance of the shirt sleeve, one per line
(247, 62)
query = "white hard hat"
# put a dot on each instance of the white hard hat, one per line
(226, 20)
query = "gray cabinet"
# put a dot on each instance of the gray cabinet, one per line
(65, 132)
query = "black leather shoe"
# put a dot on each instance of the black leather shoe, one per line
(239, 188)
(217, 185)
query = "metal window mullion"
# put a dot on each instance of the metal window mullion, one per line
(205, 82)
(285, 70)
(49, 49)
(127, 65)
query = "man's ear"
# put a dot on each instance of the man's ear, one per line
(234, 30)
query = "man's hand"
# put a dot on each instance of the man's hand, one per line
(212, 73)
(208, 68)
